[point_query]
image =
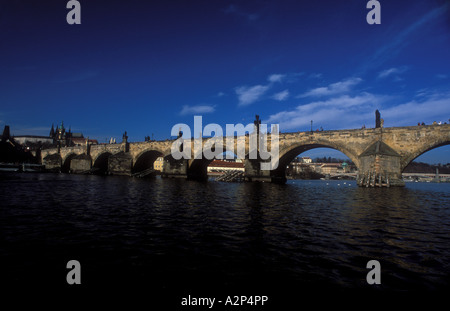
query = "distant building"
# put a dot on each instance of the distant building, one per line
(33, 142)
(6, 136)
(26, 148)
(158, 165)
(65, 138)
(295, 168)
(11, 151)
(57, 137)
(306, 160)
(316, 166)
(330, 168)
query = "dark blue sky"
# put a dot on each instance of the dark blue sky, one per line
(143, 66)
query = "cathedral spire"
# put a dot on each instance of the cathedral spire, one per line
(52, 131)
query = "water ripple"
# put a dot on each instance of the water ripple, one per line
(303, 233)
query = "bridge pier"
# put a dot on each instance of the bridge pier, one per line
(380, 166)
(253, 172)
(52, 162)
(175, 168)
(81, 164)
(120, 164)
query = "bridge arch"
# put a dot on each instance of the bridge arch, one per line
(405, 161)
(198, 168)
(100, 163)
(65, 167)
(289, 153)
(146, 159)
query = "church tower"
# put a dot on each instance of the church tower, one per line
(52, 132)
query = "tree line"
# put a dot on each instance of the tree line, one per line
(420, 167)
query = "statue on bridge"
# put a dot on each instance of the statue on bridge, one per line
(257, 123)
(377, 119)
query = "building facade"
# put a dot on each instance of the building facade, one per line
(158, 165)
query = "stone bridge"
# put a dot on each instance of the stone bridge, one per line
(380, 154)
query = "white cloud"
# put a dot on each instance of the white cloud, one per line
(339, 112)
(435, 107)
(333, 89)
(199, 109)
(346, 111)
(249, 94)
(392, 71)
(276, 78)
(441, 76)
(283, 95)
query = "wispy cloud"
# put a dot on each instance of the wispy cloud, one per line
(441, 76)
(249, 94)
(199, 109)
(395, 71)
(399, 42)
(283, 95)
(332, 89)
(429, 108)
(276, 78)
(346, 111)
(343, 111)
(315, 76)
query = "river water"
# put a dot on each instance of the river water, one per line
(176, 237)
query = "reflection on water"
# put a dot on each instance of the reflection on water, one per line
(183, 235)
